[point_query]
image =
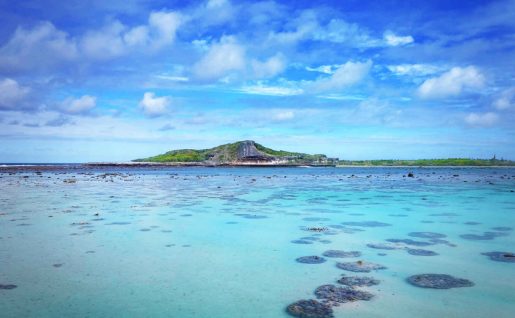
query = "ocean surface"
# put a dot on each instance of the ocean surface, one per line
(224, 242)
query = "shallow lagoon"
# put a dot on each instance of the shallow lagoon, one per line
(223, 242)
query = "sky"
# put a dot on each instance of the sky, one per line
(96, 80)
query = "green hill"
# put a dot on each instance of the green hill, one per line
(241, 152)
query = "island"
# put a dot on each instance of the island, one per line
(241, 153)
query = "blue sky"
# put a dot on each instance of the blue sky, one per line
(117, 80)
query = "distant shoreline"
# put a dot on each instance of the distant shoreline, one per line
(7, 168)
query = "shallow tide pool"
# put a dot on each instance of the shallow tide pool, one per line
(224, 242)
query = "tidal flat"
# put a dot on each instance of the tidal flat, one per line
(196, 242)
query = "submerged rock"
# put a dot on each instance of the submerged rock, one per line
(337, 253)
(483, 237)
(502, 228)
(360, 266)
(506, 257)
(301, 242)
(7, 286)
(438, 281)
(421, 252)
(335, 295)
(310, 309)
(366, 224)
(428, 235)
(382, 246)
(311, 259)
(358, 281)
(409, 242)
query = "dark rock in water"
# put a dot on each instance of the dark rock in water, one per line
(438, 281)
(506, 257)
(335, 295)
(421, 252)
(337, 253)
(310, 238)
(428, 235)
(483, 237)
(57, 265)
(471, 223)
(254, 216)
(409, 242)
(411, 175)
(311, 260)
(118, 223)
(231, 222)
(502, 228)
(366, 224)
(382, 254)
(359, 266)
(358, 281)
(310, 309)
(301, 242)
(382, 246)
(8, 286)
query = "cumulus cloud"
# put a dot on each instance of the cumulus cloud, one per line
(44, 47)
(340, 31)
(269, 68)
(506, 100)
(482, 119)
(452, 83)
(12, 94)
(154, 106)
(346, 75)
(116, 39)
(395, 40)
(79, 105)
(414, 69)
(37, 48)
(221, 58)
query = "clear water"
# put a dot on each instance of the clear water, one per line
(187, 242)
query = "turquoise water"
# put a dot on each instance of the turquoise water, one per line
(217, 242)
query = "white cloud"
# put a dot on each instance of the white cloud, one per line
(283, 115)
(506, 99)
(414, 69)
(105, 43)
(79, 105)
(41, 47)
(116, 39)
(164, 26)
(261, 89)
(12, 94)
(223, 57)
(340, 31)
(481, 119)
(45, 47)
(154, 106)
(173, 78)
(326, 69)
(346, 75)
(394, 40)
(269, 68)
(452, 83)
